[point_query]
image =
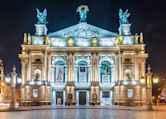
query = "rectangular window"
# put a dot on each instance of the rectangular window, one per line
(82, 69)
(35, 93)
(82, 74)
(105, 94)
(59, 73)
(130, 93)
(105, 73)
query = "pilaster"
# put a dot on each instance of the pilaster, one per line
(120, 65)
(29, 66)
(136, 66)
(45, 66)
(70, 85)
(95, 67)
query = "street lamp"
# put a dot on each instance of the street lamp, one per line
(1, 91)
(150, 81)
(155, 79)
(13, 86)
(13, 80)
(142, 80)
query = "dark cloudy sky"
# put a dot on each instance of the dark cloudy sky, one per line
(147, 16)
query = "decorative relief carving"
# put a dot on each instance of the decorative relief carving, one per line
(110, 59)
(54, 59)
(80, 58)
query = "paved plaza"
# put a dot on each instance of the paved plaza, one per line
(84, 113)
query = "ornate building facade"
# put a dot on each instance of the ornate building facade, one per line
(5, 90)
(83, 64)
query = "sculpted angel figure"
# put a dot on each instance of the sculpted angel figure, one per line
(83, 10)
(41, 16)
(123, 16)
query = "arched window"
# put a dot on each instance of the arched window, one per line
(37, 74)
(59, 72)
(105, 72)
(82, 71)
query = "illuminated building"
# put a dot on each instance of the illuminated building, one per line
(83, 65)
(5, 91)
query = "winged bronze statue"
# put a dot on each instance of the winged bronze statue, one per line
(123, 16)
(83, 10)
(41, 16)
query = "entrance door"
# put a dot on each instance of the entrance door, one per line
(82, 98)
(59, 97)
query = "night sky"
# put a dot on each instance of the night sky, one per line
(19, 16)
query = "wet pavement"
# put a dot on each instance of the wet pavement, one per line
(96, 113)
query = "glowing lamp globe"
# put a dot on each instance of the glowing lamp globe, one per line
(142, 80)
(94, 42)
(155, 79)
(70, 42)
(7, 79)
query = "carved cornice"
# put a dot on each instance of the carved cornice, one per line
(34, 47)
(132, 47)
(23, 56)
(83, 49)
(139, 47)
(145, 55)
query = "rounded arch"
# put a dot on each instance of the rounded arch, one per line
(82, 60)
(82, 71)
(106, 62)
(59, 71)
(59, 62)
(105, 71)
(55, 60)
(111, 61)
(105, 68)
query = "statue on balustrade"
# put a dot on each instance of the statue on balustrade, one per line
(41, 16)
(123, 16)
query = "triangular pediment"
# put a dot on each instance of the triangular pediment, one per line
(83, 30)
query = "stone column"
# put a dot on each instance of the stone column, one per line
(75, 71)
(72, 67)
(120, 65)
(143, 67)
(94, 67)
(116, 69)
(68, 67)
(94, 88)
(23, 72)
(99, 70)
(29, 67)
(52, 73)
(49, 68)
(113, 74)
(44, 67)
(65, 73)
(70, 86)
(117, 80)
(136, 67)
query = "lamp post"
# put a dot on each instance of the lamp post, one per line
(2, 91)
(150, 81)
(13, 86)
